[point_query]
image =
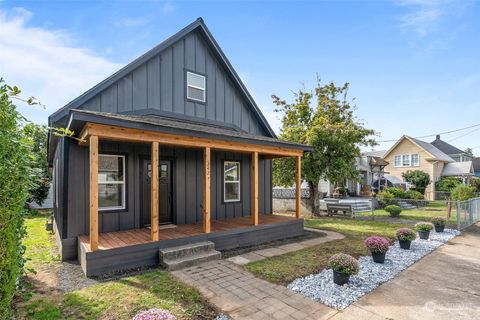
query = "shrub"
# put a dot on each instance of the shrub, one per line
(155, 314)
(344, 263)
(447, 184)
(462, 192)
(393, 210)
(15, 182)
(397, 192)
(406, 234)
(439, 221)
(377, 244)
(420, 179)
(413, 194)
(423, 226)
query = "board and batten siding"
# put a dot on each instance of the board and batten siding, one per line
(159, 85)
(187, 187)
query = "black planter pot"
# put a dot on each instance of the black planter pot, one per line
(378, 257)
(424, 234)
(439, 228)
(405, 244)
(340, 278)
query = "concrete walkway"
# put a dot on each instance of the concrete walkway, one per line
(443, 285)
(257, 255)
(237, 292)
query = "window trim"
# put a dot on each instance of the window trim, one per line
(239, 181)
(204, 101)
(124, 182)
(410, 163)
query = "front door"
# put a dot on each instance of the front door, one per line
(165, 193)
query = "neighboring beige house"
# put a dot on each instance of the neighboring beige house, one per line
(412, 154)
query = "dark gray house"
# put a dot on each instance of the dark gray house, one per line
(168, 151)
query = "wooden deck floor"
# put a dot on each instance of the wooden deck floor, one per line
(110, 240)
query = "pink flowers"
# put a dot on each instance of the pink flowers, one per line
(377, 244)
(344, 263)
(406, 234)
(155, 314)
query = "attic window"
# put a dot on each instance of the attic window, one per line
(196, 87)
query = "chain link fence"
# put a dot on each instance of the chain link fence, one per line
(289, 193)
(468, 213)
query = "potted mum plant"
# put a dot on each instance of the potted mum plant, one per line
(343, 266)
(378, 246)
(439, 223)
(154, 314)
(405, 237)
(423, 229)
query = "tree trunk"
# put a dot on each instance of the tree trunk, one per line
(314, 207)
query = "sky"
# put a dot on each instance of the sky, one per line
(413, 65)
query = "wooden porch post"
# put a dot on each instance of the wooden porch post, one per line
(298, 185)
(255, 188)
(93, 193)
(206, 190)
(154, 192)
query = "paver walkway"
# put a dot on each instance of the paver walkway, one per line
(241, 295)
(443, 285)
(285, 248)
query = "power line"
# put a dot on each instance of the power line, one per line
(433, 135)
(463, 135)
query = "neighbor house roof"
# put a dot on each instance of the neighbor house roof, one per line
(455, 169)
(78, 118)
(197, 25)
(436, 153)
(376, 153)
(445, 147)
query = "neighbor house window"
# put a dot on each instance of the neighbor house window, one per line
(398, 161)
(415, 160)
(407, 160)
(111, 182)
(231, 181)
(196, 87)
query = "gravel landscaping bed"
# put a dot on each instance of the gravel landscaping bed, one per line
(320, 286)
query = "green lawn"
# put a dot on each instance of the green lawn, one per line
(119, 299)
(285, 268)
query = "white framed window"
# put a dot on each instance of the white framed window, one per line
(196, 87)
(231, 181)
(397, 161)
(406, 160)
(111, 182)
(415, 160)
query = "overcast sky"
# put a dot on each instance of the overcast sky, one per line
(413, 65)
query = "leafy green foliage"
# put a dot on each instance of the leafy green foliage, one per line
(439, 221)
(330, 127)
(397, 192)
(475, 182)
(393, 210)
(15, 183)
(462, 192)
(423, 226)
(447, 184)
(420, 179)
(414, 194)
(41, 177)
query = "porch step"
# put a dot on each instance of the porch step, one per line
(175, 258)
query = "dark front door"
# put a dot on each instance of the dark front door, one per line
(165, 193)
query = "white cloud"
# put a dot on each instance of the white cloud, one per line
(425, 16)
(131, 22)
(46, 63)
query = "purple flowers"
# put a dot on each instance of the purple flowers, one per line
(344, 263)
(155, 314)
(406, 234)
(377, 244)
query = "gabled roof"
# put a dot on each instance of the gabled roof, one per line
(458, 169)
(197, 25)
(445, 147)
(435, 153)
(376, 153)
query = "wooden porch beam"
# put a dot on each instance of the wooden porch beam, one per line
(135, 135)
(93, 193)
(298, 185)
(206, 190)
(154, 205)
(255, 188)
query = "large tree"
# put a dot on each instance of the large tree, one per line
(323, 119)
